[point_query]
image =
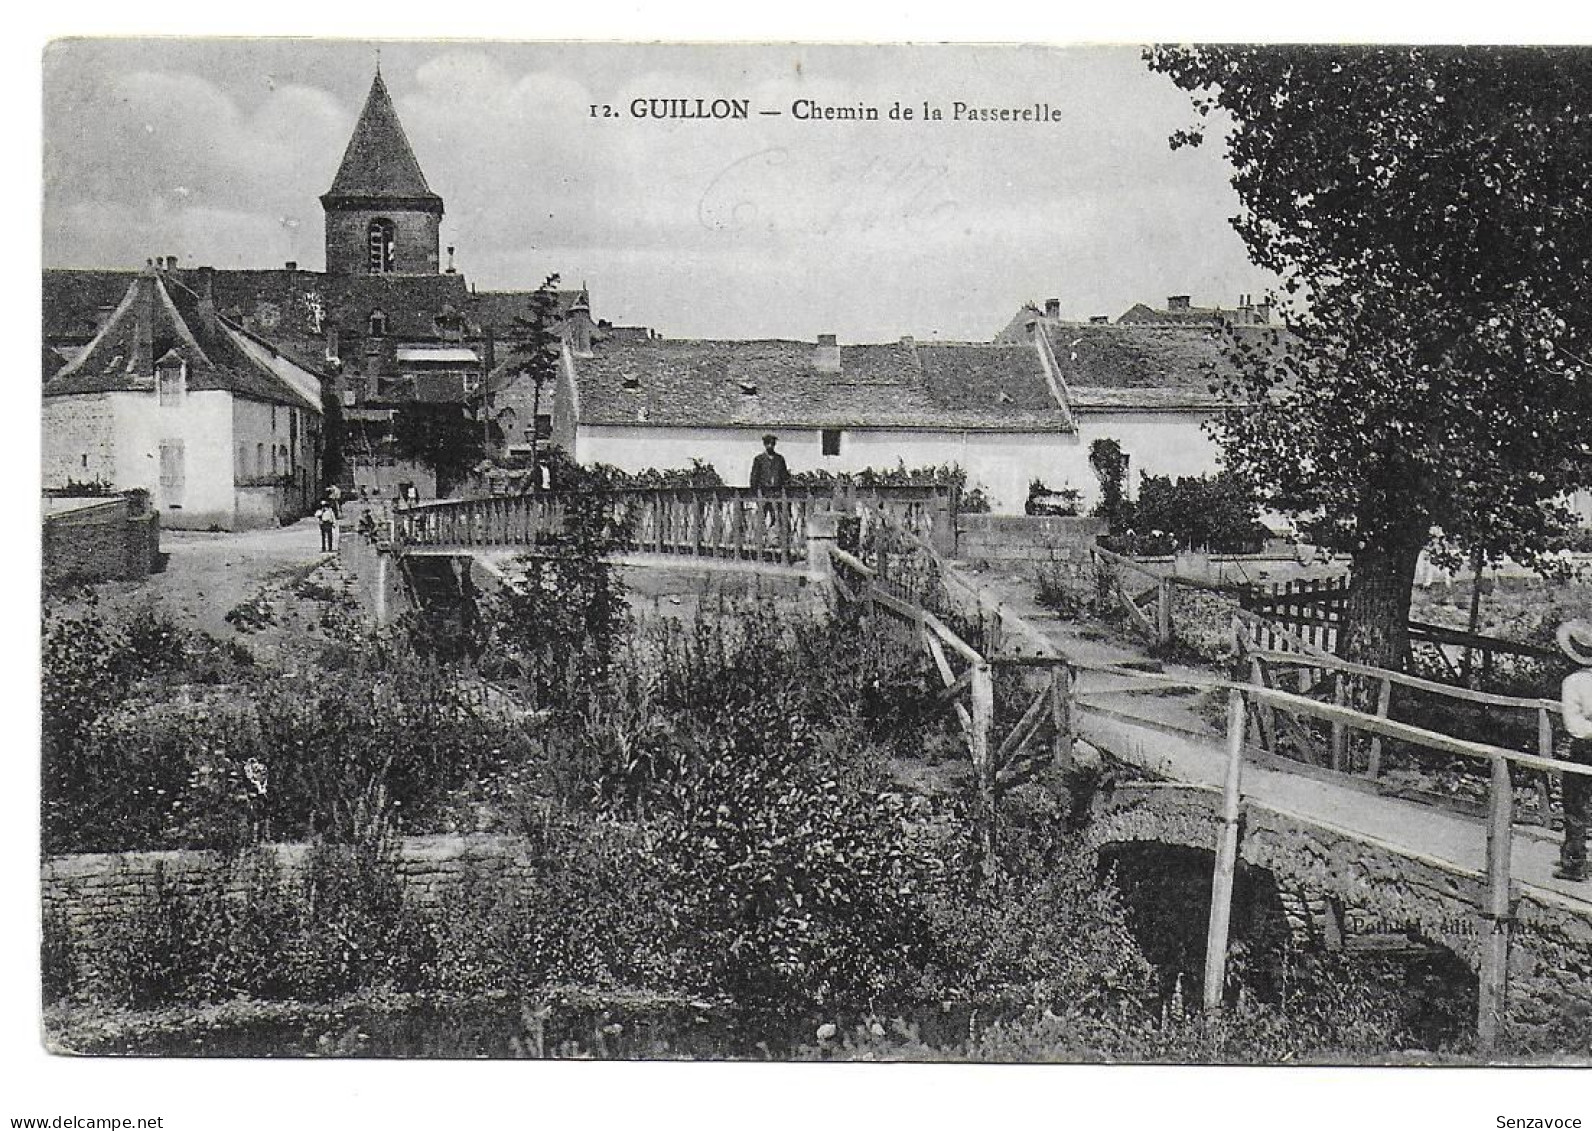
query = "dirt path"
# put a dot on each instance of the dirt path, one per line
(209, 575)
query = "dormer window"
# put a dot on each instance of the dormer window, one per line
(381, 238)
(378, 324)
(749, 388)
(171, 379)
(631, 383)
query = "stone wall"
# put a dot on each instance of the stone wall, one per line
(118, 538)
(1028, 543)
(415, 242)
(85, 894)
(1368, 887)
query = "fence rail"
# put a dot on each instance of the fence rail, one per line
(1303, 615)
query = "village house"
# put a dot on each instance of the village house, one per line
(1008, 412)
(220, 427)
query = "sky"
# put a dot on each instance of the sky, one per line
(216, 150)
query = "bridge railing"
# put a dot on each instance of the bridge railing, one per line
(1319, 675)
(734, 523)
(1250, 700)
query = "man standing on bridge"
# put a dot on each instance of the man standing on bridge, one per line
(1575, 639)
(769, 472)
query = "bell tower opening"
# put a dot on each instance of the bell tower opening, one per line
(380, 237)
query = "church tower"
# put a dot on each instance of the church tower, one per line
(381, 216)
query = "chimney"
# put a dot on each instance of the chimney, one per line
(291, 265)
(207, 298)
(826, 358)
(580, 324)
(909, 341)
(1177, 302)
(1052, 308)
(171, 262)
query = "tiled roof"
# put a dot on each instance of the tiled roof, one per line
(770, 384)
(968, 376)
(74, 300)
(1184, 358)
(218, 356)
(1086, 398)
(274, 302)
(281, 302)
(1188, 316)
(378, 161)
(497, 310)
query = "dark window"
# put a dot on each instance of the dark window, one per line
(831, 441)
(380, 235)
(544, 426)
(378, 324)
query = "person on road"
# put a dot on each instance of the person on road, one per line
(769, 472)
(1575, 694)
(327, 517)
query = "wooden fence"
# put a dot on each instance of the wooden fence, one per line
(905, 579)
(1305, 615)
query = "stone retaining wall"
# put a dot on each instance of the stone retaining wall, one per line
(85, 891)
(1027, 543)
(118, 539)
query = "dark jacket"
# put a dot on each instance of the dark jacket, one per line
(769, 472)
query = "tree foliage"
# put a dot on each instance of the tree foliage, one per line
(443, 437)
(1111, 468)
(1206, 512)
(1425, 210)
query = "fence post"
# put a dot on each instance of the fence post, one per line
(1163, 611)
(1493, 987)
(983, 715)
(1226, 858)
(821, 528)
(1384, 698)
(1543, 787)
(1340, 733)
(1061, 685)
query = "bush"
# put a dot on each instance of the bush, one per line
(1212, 512)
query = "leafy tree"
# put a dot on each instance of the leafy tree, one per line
(443, 437)
(332, 431)
(1425, 210)
(1212, 512)
(1111, 468)
(537, 349)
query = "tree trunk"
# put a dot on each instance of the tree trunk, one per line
(1381, 579)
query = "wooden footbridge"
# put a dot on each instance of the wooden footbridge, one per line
(1294, 781)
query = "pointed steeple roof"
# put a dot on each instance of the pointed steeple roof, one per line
(378, 163)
